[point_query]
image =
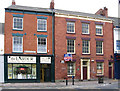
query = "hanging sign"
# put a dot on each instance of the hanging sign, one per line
(68, 57)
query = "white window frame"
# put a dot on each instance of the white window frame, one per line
(96, 47)
(22, 23)
(46, 25)
(87, 30)
(88, 47)
(100, 27)
(102, 68)
(13, 44)
(74, 27)
(37, 45)
(74, 47)
(69, 68)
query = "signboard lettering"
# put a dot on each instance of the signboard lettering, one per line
(45, 60)
(21, 59)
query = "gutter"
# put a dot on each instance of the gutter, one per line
(53, 46)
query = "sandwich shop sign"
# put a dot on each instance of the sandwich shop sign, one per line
(21, 59)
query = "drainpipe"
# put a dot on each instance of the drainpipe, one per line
(53, 47)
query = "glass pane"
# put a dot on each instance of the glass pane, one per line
(9, 71)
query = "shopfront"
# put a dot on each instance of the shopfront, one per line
(28, 68)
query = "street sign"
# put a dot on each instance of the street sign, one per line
(68, 57)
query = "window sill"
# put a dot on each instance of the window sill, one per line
(72, 53)
(70, 33)
(17, 29)
(41, 31)
(85, 34)
(99, 35)
(18, 52)
(99, 75)
(41, 53)
(69, 76)
(86, 54)
(99, 54)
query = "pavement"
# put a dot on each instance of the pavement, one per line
(108, 84)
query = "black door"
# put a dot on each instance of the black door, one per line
(47, 75)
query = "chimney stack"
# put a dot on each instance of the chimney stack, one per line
(13, 2)
(103, 12)
(52, 4)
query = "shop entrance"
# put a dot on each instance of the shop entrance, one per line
(45, 72)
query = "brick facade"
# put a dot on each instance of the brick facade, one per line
(30, 28)
(61, 47)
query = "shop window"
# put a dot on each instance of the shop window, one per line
(71, 69)
(17, 44)
(41, 25)
(18, 23)
(70, 46)
(99, 68)
(85, 28)
(42, 45)
(85, 47)
(70, 27)
(21, 71)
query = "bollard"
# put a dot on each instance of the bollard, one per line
(66, 81)
(72, 80)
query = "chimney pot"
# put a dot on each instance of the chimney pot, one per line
(13, 2)
(52, 4)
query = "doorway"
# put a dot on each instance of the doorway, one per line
(84, 73)
(45, 72)
(85, 69)
(110, 70)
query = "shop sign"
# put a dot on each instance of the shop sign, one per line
(21, 59)
(46, 60)
(68, 57)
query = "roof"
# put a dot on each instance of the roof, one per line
(48, 10)
(1, 28)
(116, 21)
(27, 8)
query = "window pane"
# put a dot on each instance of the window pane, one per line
(70, 46)
(42, 24)
(71, 69)
(85, 28)
(85, 46)
(42, 45)
(99, 47)
(70, 27)
(17, 44)
(17, 23)
(99, 68)
(98, 29)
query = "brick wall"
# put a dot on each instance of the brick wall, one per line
(61, 47)
(30, 28)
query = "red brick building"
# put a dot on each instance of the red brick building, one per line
(28, 44)
(89, 38)
(37, 39)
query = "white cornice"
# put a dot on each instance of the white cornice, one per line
(83, 17)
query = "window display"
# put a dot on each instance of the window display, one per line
(21, 71)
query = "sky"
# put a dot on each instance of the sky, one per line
(86, 6)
